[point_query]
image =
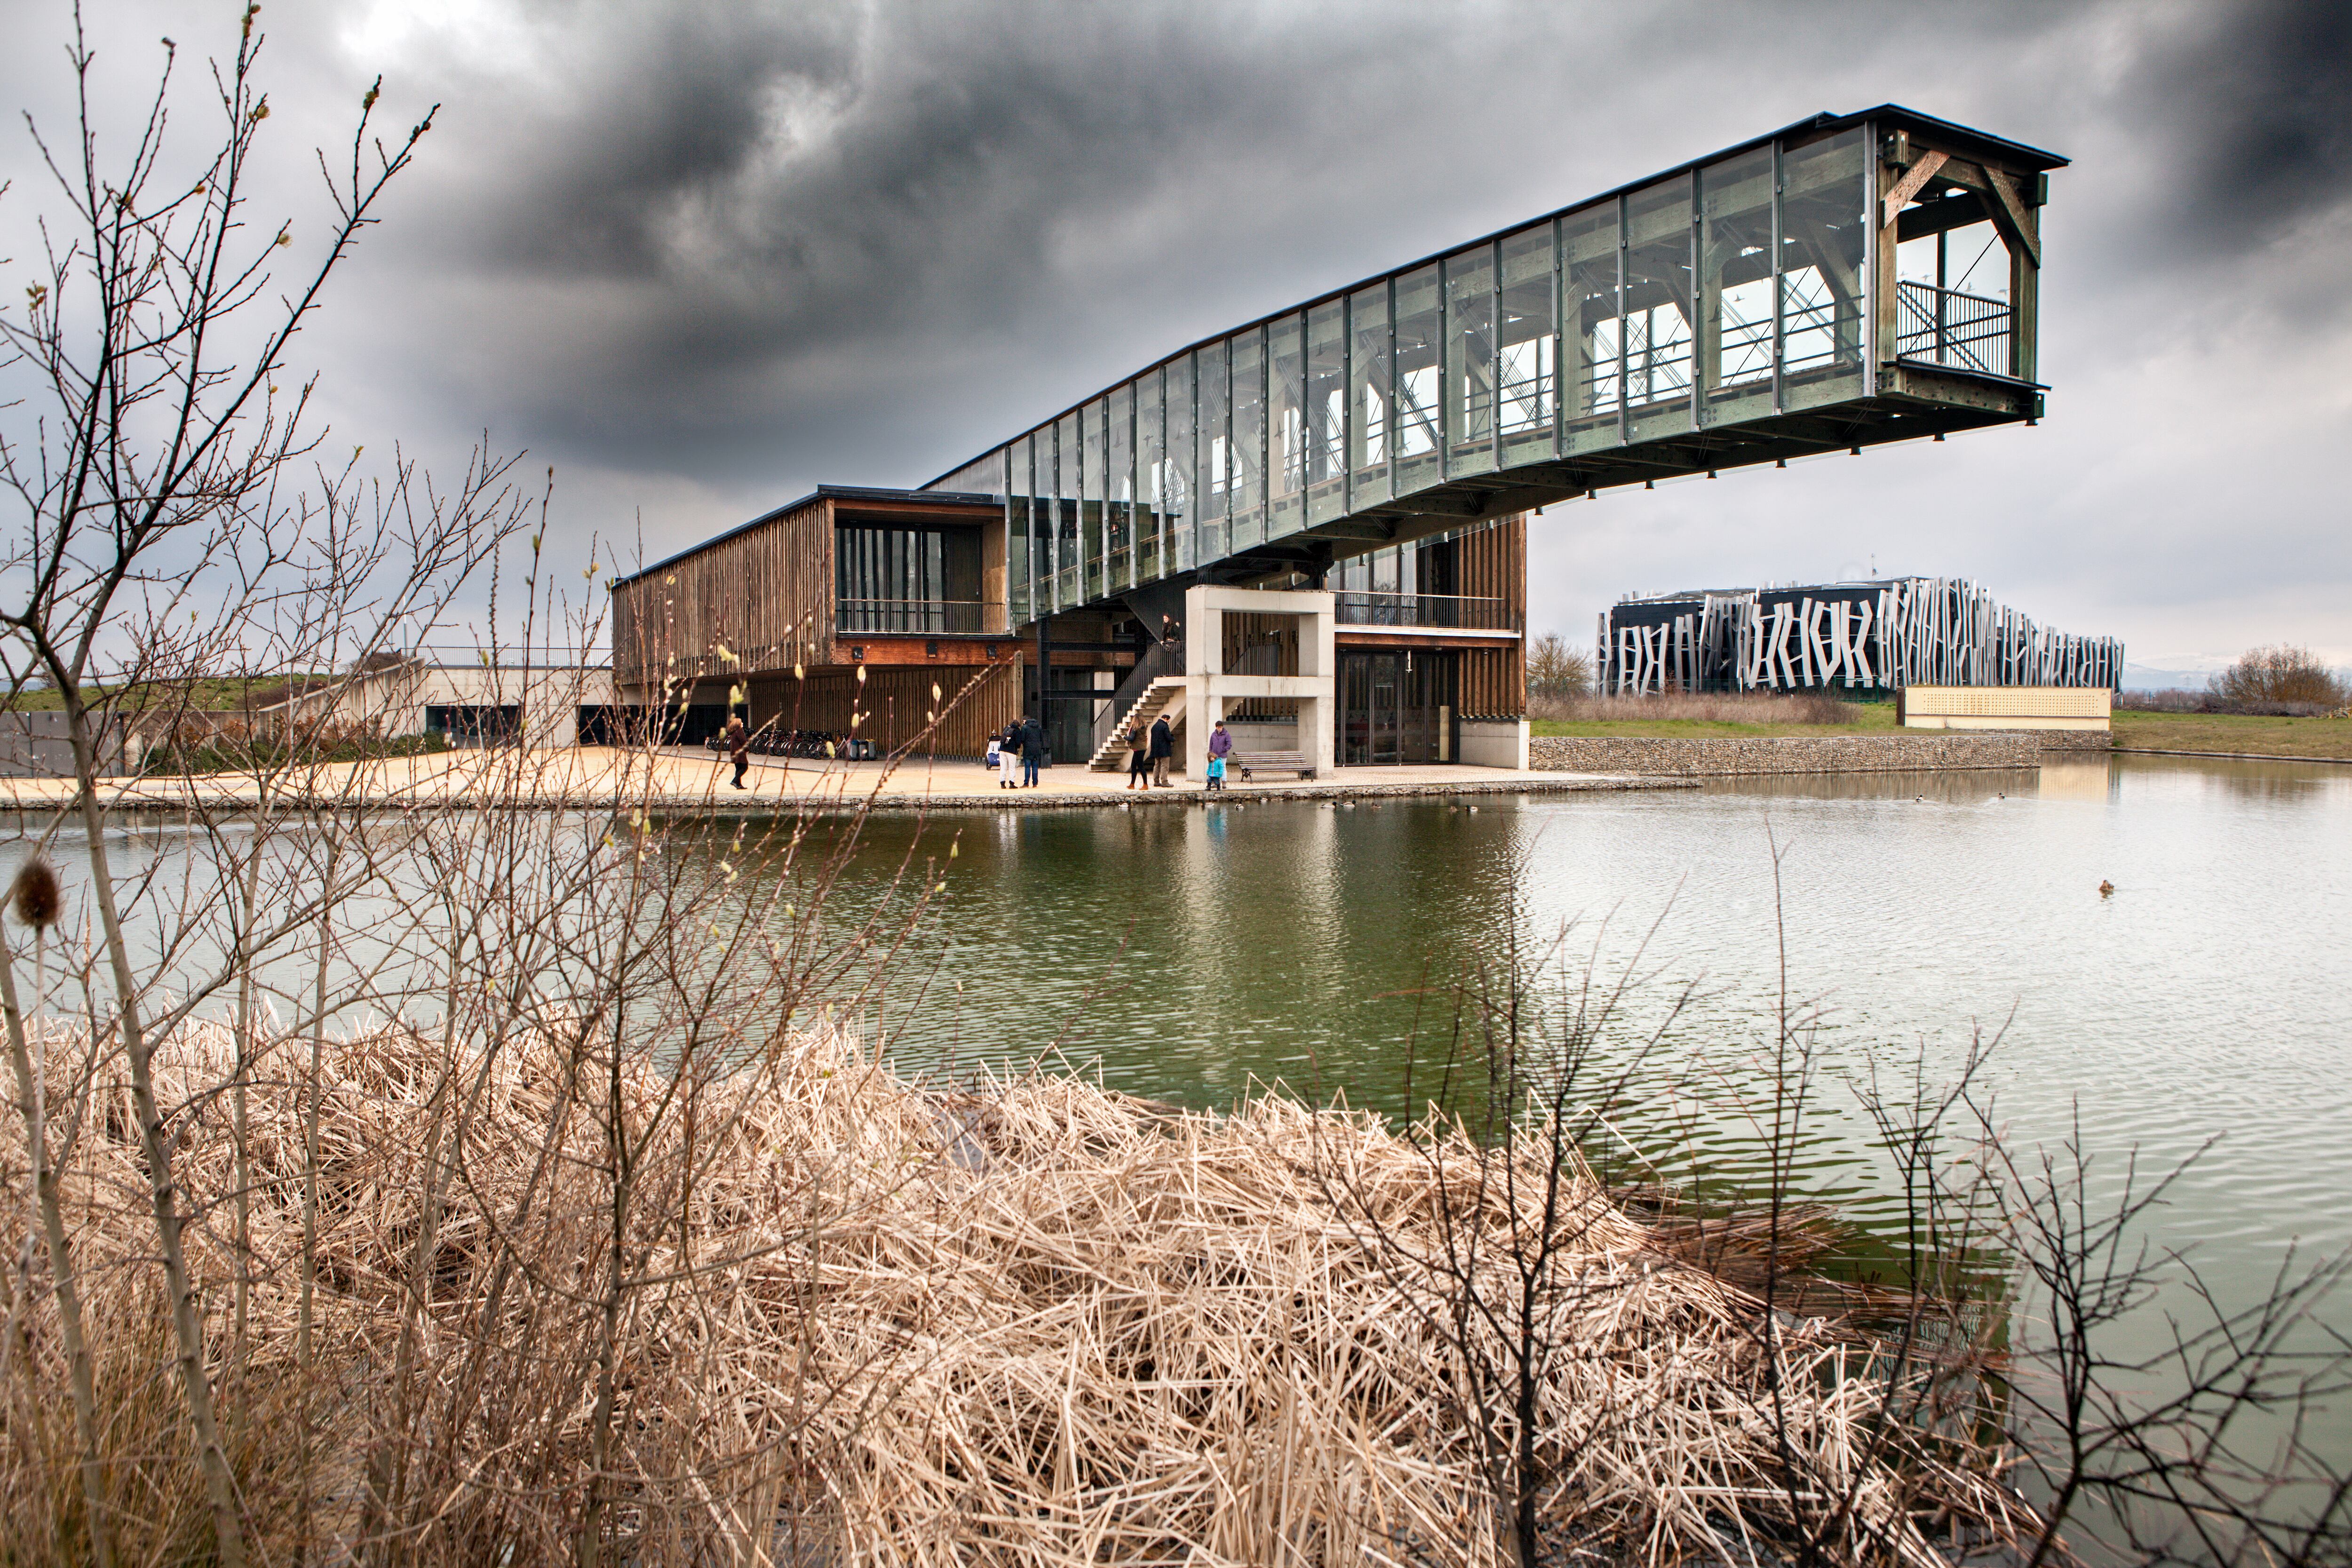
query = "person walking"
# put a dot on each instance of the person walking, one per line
(1163, 747)
(1033, 752)
(1138, 758)
(738, 747)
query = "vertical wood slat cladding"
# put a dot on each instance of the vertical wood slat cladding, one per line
(893, 705)
(1493, 563)
(766, 593)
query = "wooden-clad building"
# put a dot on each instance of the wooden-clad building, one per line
(882, 617)
(781, 615)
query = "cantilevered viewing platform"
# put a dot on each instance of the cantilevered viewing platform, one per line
(1848, 280)
(1314, 525)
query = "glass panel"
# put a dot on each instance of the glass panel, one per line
(1182, 469)
(1470, 361)
(1594, 339)
(1016, 534)
(1414, 365)
(982, 476)
(1657, 321)
(1066, 592)
(1823, 204)
(1119, 523)
(1735, 311)
(1527, 376)
(1216, 438)
(1369, 435)
(1248, 449)
(1093, 424)
(1286, 426)
(1326, 411)
(1150, 481)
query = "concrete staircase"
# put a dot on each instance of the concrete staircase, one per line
(1163, 697)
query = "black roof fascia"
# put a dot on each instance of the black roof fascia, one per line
(1823, 123)
(823, 492)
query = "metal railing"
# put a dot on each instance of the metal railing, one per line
(1946, 327)
(908, 614)
(1159, 660)
(1449, 612)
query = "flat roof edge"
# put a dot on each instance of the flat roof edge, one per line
(823, 492)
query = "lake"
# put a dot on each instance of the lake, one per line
(1191, 953)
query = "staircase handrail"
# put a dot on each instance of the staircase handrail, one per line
(1157, 662)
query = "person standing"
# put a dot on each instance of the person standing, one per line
(738, 747)
(1221, 746)
(1138, 758)
(1007, 748)
(1033, 752)
(1163, 747)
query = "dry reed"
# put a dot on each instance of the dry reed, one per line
(880, 1320)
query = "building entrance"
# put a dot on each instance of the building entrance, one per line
(1397, 708)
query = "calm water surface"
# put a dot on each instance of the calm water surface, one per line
(1190, 954)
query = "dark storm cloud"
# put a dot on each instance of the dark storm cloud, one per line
(857, 192)
(702, 256)
(2249, 108)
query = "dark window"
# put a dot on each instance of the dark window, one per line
(474, 726)
(903, 579)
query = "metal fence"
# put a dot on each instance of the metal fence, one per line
(1447, 612)
(908, 616)
(1946, 327)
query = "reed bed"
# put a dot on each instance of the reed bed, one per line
(1711, 708)
(873, 1319)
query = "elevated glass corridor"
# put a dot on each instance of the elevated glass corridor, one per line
(1846, 282)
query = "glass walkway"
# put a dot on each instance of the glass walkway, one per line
(1845, 282)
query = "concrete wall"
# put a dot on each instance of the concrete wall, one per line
(1496, 743)
(1801, 755)
(394, 700)
(1208, 688)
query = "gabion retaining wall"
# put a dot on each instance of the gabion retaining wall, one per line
(1694, 757)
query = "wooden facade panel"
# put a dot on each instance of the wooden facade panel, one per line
(893, 705)
(767, 594)
(764, 595)
(1494, 683)
(1493, 565)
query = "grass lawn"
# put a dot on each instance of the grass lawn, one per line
(2234, 733)
(213, 694)
(1869, 719)
(2153, 732)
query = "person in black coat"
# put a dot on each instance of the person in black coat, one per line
(1163, 747)
(1033, 752)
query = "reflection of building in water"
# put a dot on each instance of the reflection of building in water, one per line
(2075, 781)
(1844, 282)
(1882, 635)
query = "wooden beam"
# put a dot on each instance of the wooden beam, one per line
(1939, 217)
(1914, 179)
(2016, 226)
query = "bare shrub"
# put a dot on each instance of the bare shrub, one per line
(1712, 708)
(1556, 671)
(2179, 701)
(2285, 673)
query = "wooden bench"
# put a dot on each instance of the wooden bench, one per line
(1272, 761)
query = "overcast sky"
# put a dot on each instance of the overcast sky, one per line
(702, 257)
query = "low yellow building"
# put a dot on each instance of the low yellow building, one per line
(2004, 707)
